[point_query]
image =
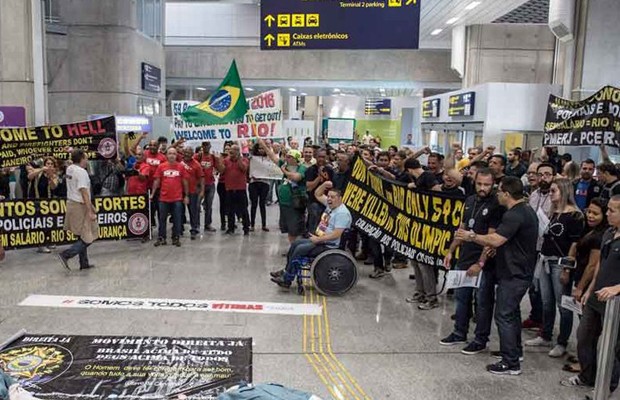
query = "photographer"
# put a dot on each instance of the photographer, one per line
(42, 181)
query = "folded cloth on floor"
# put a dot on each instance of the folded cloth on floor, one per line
(265, 391)
(5, 382)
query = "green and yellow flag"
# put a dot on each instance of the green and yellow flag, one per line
(225, 105)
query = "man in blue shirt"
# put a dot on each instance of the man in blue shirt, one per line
(334, 221)
(586, 188)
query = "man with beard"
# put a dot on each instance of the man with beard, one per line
(435, 166)
(609, 176)
(482, 215)
(515, 167)
(497, 165)
(586, 188)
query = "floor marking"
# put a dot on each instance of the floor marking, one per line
(132, 303)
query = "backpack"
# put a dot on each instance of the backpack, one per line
(265, 391)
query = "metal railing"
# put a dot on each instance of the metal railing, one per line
(607, 349)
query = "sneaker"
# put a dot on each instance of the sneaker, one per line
(452, 339)
(416, 298)
(388, 266)
(193, 236)
(501, 368)
(223, 228)
(277, 274)
(265, 229)
(474, 348)
(176, 242)
(43, 249)
(369, 261)
(160, 242)
(428, 305)
(63, 261)
(378, 273)
(400, 265)
(210, 229)
(557, 351)
(281, 282)
(246, 233)
(538, 341)
(229, 232)
(498, 355)
(572, 381)
(531, 325)
(360, 256)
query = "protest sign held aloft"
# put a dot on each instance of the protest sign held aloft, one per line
(127, 367)
(97, 137)
(419, 224)
(593, 121)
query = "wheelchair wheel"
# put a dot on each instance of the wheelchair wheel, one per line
(333, 272)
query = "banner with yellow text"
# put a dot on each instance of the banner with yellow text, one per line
(33, 223)
(416, 223)
(20, 145)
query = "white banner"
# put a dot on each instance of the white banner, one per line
(264, 168)
(263, 119)
(132, 303)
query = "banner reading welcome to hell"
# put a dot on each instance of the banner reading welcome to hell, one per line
(34, 223)
(590, 122)
(418, 224)
(19, 146)
(263, 119)
(63, 367)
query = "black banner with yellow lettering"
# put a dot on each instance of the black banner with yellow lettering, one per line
(63, 367)
(590, 122)
(416, 223)
(20, 145)
(34, 223)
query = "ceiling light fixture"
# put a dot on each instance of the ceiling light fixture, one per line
(249, 89)
(303, 94)
(336, 90)
(452, 20)
(292, 89)
(201, 88)
(472, 5)
(436, 32)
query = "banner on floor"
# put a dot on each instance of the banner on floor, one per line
(63, 367)
(590, 122)
(264, 168)
(34, 223)
(97, 138)
(416, 223)
(263, 119)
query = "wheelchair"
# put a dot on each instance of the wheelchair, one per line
(332, 271)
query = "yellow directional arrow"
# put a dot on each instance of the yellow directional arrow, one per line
(411, 2)
(269, 39)
(269, 19)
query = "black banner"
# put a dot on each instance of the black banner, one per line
(97, 137)
(590, 122)
(419, 224)
(34, 223)
(127, 367)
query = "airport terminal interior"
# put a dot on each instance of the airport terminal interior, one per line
(270, 194)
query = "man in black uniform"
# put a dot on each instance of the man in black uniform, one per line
(482, 215)
(515, 240)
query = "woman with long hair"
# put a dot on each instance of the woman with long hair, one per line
(560, 239)
(42, 181)
(259, 189)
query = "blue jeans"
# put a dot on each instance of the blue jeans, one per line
(176, 209)
(78, 249)
(207, 204)
(551, 291)
(194, 213)
(509, 294)
(299, 248)
(485, 296)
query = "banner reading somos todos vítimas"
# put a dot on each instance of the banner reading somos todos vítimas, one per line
(20, 145)
(263, 119)
(416, 223)
(33, 223)
(590, 122)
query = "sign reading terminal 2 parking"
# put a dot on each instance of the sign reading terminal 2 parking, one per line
(342, 24)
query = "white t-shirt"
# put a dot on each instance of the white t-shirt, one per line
(77, 178)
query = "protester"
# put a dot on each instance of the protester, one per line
(497, 165)
(317, 174)
(515, 241)
(81, 216)
(586, 188)
(236, 168)
(258, 189)
(515, 166)
(42, 182)
(343, 163)
(172, 178)
(207, 162)
(109, 175)
(308, 157)
(609, 176)
(571, 171)
(196, 190)
(221, 190)
(452, 181)
(435, 166)
(153, 159)
(561, 236)
(335, 220)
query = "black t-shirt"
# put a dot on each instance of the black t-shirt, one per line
(439, 177)
(609, 269)
(517, 257)
(311, 174)
(468, 185)
(517, 171)
(479, 215)
(610, 190)
(563, 230)
(401, 176)
(457, 190)
(426, 181)
(340, 180)
(591, 241)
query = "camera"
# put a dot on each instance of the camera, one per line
(567, 262)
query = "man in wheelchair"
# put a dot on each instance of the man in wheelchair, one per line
(335, 220)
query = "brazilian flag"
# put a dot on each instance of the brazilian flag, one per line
(225, 105)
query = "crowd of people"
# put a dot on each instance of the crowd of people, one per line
(535, 222)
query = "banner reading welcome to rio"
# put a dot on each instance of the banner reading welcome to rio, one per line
(20, 145)
(419, 224)
(33, 223)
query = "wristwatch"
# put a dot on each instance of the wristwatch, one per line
(472, 235)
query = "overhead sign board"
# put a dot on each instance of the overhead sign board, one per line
(343, 24)
(13, 116)
(378, 107)
(430, 108)
(462, 105)
(128, 123)
(151, 78)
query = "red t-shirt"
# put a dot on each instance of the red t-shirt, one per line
(136, 185)
(207, 163)
(194, 174)
(235, 178)
(170, 181)
(153, 160)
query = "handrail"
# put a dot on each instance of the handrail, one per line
(607, 352)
